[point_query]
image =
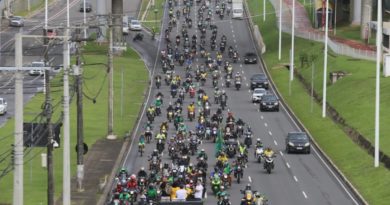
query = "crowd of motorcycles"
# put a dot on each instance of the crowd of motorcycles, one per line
(232, 137)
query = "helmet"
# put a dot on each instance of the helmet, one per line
(133, 177)
(202, 150)
(142, 168)
(237, 73)
(248, 187)
(258, 139)
(190, 165)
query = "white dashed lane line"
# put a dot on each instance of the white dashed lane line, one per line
(276, 143)
(265, 124)
(295, 178)
(288, 165)
(262, 117)
(270, 133)
(304, 194)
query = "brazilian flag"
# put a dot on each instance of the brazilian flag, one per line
(218, 143)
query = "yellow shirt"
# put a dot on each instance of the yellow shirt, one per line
(173, 192)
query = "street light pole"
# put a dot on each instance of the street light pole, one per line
(377, 83)
(155, 18)
(292, 42)
(280, 29)
(325, 60)
(263, 10)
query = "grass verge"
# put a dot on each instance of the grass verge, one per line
(154, 19)
(352, 96)
(127, 102)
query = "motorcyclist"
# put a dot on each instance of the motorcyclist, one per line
(141, 142)
(268, 152)
(142, 173)
(123, 171)
(240, 122)
(124, 196)
(182, 128)
(222, 192)
(191, 108)
(259, 144)
(203, 154)
(132, 183)
(160, 136)
(151, 194)
(242, 149)
(170, 107)
(222, 157)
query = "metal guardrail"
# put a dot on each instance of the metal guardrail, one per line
(357, 196)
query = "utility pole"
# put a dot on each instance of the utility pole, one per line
(110, 85)
(80, 126)
(117, 13)
(49, 127)
(379, 34)
(66, 123)
(325, 60)
(18, 144)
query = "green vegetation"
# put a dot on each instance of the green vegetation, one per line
(126, 108)
(352, 96)
(153, 20)
(33, 8)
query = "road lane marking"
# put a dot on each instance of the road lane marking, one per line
(288, 165)
(295, 178)
(234, 36)
(275, 143)
(247, 85)
(261, 117)
(281, 153)
(240, 65)
(235, 41)
(304, 194)
(250, 179)
(270, 133)
(265, 124)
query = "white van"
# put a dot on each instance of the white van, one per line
(237, 9)
(125, 25)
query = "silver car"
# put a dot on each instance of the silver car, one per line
(257, 94)
(16, 21)
(3, 106)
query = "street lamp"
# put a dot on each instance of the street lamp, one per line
(155, 18)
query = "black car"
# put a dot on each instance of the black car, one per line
(259, 81)
(250, 58)
(297, 142)
(88, 7)
(269, 102)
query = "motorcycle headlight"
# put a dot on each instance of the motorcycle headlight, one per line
(291, 144)
(307, 144)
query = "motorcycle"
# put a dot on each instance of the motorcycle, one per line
(248, 141)
(148, 136)
(141, 149)
(238, 85)
(138, 37)
(170, 116)
(192, 92)
(173, 93)
(239, 130)
(223, 104)
(158, 110)
(214, 133)
(215, 82)
(193, 147)
(258, 154)
(226, 180)
(268, 163)
(160, 146)
(225, 201)
(238, 173)
(228, 81)
(158, 83)
(132, 197)
(191, 115)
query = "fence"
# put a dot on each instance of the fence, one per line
(314, 35)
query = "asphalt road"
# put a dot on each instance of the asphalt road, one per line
(296, 179)
(33, 50)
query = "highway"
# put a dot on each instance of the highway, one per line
(297, 178)
(33, 50)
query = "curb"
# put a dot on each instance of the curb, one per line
(296, 120)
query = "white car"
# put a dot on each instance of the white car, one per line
(3, 106)
(135, 25)
(125, 29)
(257, 94)
(37, 72)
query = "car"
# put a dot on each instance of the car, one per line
(88, 7)
(269, 102)
(37, 72)
(250, 58)
(259, 81)
(16, 21)
(125, 29)
(257, 94)
(297, 142)
(135, 25)
(3, 106)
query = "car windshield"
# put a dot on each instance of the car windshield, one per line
(16, 18)
(259, 91)
(1, 101)
(259, 77)
(250, 55)
(270, 98)
(135, 23)
(299, 136)
(38, 64)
